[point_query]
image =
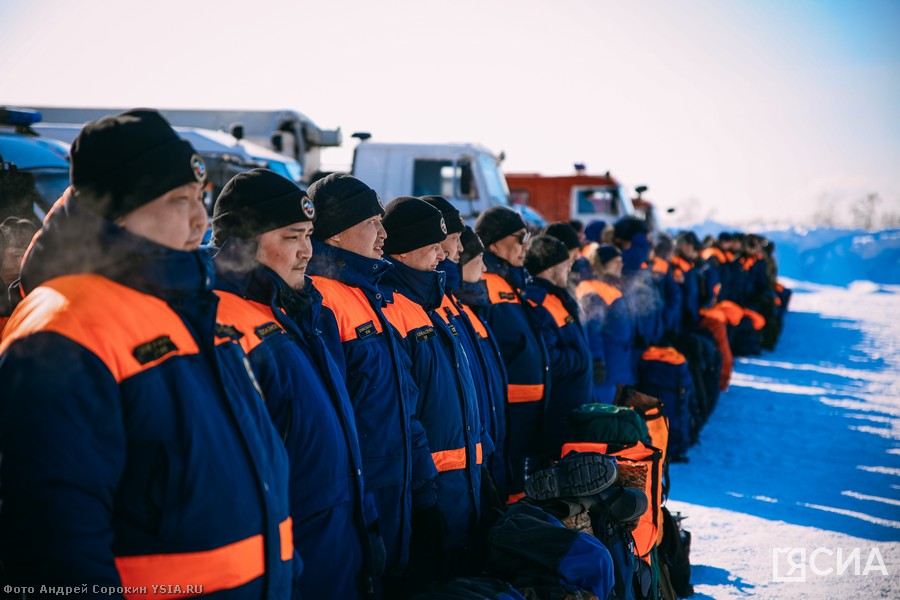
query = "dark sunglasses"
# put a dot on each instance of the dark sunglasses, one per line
(522, 237)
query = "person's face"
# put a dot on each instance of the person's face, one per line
(365, 238)
(473, 271)
(177, 219)
(12, 262)
(512, 248)
(687, 251)
(614, 267)
(422, 259)
(287, 252)
(558, 275)
(452, 247)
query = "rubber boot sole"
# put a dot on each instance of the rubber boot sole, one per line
(577, 474)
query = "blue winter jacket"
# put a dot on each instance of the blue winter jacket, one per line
(664, 374)
(136, 450)
(571, 364)
(397, 464)
(610, 332)
(670, 292)
(308, 403)
(448, 406)
(517, 332)
(491, 387)
(690, 291)
(642, 295)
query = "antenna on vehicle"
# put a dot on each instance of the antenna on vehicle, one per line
(580, 169)
(362, 135)
(236, 130)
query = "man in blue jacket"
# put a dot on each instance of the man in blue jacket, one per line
(571, 374)
(263, 225)
(136, 450)
(608, 322)
(469, 294)
(347, 267)
(448, 405)
(515, 327)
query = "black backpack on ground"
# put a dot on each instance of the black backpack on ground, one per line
(674, 552)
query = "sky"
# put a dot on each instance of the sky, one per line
(737, 110)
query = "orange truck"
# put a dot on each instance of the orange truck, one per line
(566, 197)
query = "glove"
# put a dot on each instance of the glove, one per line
(599, 371)
(429, 528)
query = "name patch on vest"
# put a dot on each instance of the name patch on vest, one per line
(153, 350)
(264, 331)
(424, 334)
(452, 328)
(507, 296)
(365, 330)
(228, 331)
(570, 319)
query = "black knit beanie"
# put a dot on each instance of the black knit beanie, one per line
(607, 252)
(125, 161)
(628, 227)
(342, 201)
(472, 245)
(452, 218)
(543, 252)
(564, 232)
(496, 223)
(258, 201)
(410, 224)
(690, 238)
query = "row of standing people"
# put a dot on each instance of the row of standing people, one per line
(289, 393)
(217, 419)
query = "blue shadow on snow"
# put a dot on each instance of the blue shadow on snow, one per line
(773, 453)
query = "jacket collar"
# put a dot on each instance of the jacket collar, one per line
(76, 240)
(347, 267)
(453, 274)
(540, 288)
(425, 288)
(515, 276)
(473, 294)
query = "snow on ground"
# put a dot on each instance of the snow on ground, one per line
(803, 453)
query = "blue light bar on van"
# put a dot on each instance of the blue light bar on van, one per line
(19, 116)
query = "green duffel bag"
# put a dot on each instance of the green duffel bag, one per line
(608, 424)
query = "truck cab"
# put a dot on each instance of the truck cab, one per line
(564, 198)
(468, 175)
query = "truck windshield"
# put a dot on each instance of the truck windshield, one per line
(497, 192)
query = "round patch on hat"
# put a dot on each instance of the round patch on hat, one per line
(443, 226)
(308, 209)
(199, 167)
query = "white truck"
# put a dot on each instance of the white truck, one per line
(286, 132)
(468, 175)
